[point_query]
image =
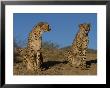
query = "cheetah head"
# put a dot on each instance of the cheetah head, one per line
(85, 28)
(44, 26)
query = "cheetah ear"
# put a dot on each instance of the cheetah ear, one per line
(89, 25)
(40, 24)
(80, 25)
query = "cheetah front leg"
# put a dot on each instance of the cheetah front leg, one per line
(39, 60)
(84, 58)
(31, 64)
(76, 61)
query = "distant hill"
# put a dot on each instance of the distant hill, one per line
(68, 48)
(92, 51)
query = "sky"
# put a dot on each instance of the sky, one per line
(64, 26)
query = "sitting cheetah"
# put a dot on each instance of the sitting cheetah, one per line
(77, 54)
(32, 55)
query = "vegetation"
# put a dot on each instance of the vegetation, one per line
(54, 61)
(51, 50)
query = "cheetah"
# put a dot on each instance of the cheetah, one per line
(77, 53)
(32, 55)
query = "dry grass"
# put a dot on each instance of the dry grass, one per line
(58, 66)
(55, 63)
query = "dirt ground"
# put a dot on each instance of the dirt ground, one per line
(59, 67)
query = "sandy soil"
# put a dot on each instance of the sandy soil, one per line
(59, 67)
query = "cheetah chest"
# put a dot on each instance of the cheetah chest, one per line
(35, 44)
